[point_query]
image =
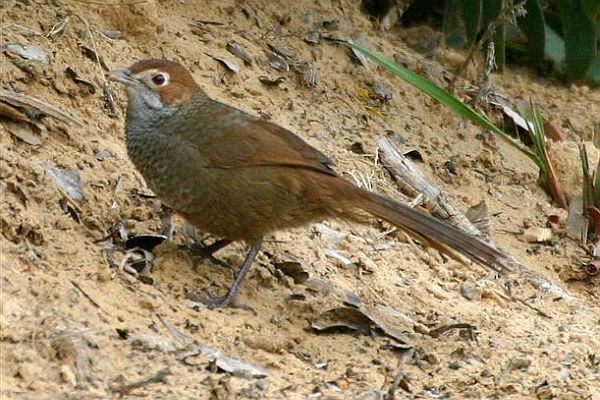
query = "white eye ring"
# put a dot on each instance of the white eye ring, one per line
(160, 78)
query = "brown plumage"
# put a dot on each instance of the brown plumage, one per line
(240, 177)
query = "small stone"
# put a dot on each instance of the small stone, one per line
(537, 235)
(371, 394)
(437, 292)
(519, 363)
(467, 292)
(260, 384)
(321, 365)
(67, 375)
(431, 359)
(318, 285)
(568, 360)
(312, 37)
(564, 374)
(450, 167)
(454, 365)
(102, 155)
(28, 51)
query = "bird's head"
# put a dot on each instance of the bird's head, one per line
(156, 83)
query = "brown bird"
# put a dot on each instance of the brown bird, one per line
(239, 177)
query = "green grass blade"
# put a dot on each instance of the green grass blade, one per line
(597, 184)
(444, 97)
(472, 15)
(588, 189)
(548, 175)
(533, 25)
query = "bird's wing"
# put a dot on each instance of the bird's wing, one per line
(241, 140)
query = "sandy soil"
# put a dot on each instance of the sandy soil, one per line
(75, 327)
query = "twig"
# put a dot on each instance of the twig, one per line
(57, 28)
(158, 377)
(87, 296)
(391, 156)
(109, 98)
(180, 337)
(226, 363)
(26, 101)
(540, 312)
(21, 27)
(107, 90)
(435, 333)
(112, 3)
(486, 72)
(91, 35)
(507, 13)
(413, 183)
(399, 382)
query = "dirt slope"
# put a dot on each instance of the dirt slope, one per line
(73, 327)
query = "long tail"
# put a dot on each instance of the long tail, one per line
(439, 231)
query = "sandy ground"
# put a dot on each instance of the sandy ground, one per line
(74, 326)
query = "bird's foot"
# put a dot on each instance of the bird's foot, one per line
(213, 301)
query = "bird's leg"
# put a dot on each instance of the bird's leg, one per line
(208, 251)
(222, 301)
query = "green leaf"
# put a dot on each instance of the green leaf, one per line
(597, 184)
(472, 15)
(453, 34)
(554, 47)
(588, 186)
(444, 97)
(490, 12)
(580, 39)
(500, 47)
(533, 25)
(538, 136)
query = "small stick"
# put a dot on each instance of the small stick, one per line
(413, 183)
(391, 394)
(106, 88)
(21, 27)
(392, 157)
(505, 15)
(435, 333)
(159, 377)
(58, 28)
(23, 100)
(87, 296)
(180, 337)
(112, 2)
(540, 312)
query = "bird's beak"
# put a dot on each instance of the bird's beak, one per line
(122, 76)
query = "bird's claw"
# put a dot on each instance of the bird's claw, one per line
(213, 301)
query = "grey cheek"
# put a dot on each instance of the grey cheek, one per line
(154, 102)
(144, 98)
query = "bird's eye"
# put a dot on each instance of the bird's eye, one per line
(159, 79)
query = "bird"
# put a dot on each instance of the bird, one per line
(240, 177)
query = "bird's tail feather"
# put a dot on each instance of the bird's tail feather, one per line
(408, 218)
